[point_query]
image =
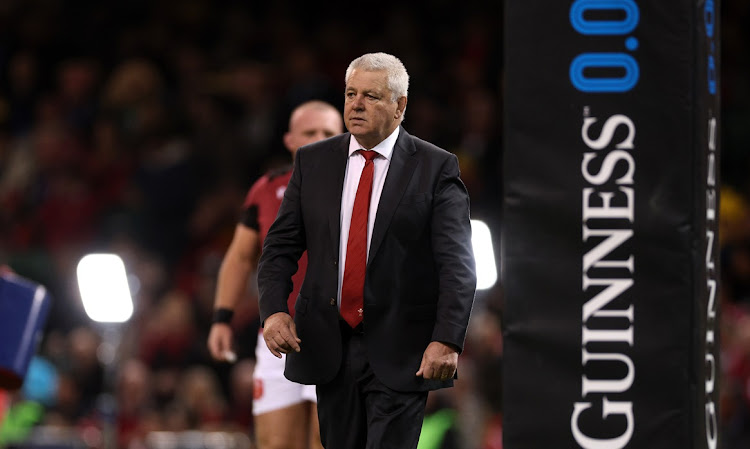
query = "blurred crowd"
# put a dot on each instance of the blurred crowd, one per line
(136, 127)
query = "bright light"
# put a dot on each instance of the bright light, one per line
(104, 288)
(484, 255)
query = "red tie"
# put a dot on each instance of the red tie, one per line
(353, 286)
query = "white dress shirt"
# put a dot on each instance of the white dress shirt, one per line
(354, 166)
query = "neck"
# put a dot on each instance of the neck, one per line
(368, 143)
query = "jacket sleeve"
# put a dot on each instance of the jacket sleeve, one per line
(454, 256)
(282, 248)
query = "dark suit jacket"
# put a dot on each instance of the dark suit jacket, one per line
(420, 279)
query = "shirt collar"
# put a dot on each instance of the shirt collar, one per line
(384, 148)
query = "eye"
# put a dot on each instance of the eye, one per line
(350, 95)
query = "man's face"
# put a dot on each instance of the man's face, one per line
(309, 125)
(369, 112)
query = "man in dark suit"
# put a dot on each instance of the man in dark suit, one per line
(383, 310)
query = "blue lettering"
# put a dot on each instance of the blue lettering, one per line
(604, 27)
(709, 19)
(606, 61)
(711, 75)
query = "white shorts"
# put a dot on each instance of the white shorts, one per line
(273, 391)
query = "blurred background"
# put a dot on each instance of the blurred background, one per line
(136, 127)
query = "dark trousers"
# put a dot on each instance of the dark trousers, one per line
(356, 411)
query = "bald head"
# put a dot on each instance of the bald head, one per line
(310, 122)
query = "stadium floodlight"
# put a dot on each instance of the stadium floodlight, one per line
(484, 255)
(104, 288)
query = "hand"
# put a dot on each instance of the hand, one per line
(220, 342)
(439, 361)
(280, 334)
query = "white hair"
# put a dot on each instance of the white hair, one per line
(398, 78)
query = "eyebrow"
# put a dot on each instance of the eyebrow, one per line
(365, 91)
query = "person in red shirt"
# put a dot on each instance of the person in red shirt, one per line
(280, 407)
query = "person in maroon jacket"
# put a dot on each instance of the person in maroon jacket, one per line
(285, 412)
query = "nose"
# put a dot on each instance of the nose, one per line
(358, 102)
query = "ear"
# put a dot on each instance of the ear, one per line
(288, 142)
(401, 107)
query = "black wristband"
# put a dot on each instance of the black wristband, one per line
(223, 315)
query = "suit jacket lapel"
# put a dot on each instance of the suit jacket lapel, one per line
(399, 174)
(333, 188)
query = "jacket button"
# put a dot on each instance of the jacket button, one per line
(333, 301)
